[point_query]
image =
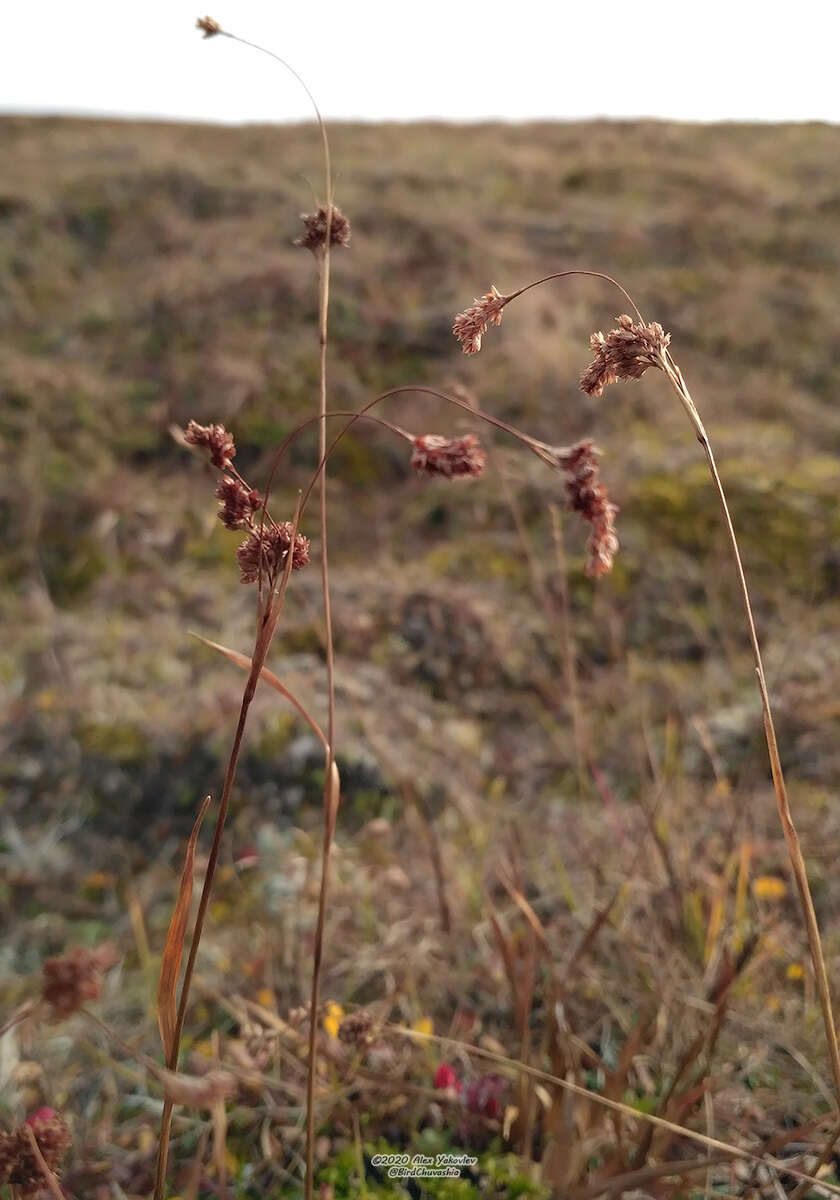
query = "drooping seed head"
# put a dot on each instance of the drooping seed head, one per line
(623, 353)
(263, 553)
(215, 439)
(450, 457)
(314, 237)
(470, 325)
(586, 495)
(208, 26)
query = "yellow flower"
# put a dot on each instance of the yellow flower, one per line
(769, 887)
(795, 971)
(332, 1020)
(423, 1025)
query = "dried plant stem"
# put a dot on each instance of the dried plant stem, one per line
(330, 799)
(330, 789)
(267, 626)
(785, 816)
(569, 655)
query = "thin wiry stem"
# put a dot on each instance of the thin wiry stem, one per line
(794, 847)
(329, 816)
(325, 143)
(541, 449)
(269, 623)
(564, 274)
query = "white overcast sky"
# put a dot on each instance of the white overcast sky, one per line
(405, 59)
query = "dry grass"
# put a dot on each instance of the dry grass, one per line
(581, 881)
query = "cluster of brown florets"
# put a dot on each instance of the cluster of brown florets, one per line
(623, 353)
(314, 237)
(450, 457)
(470, 326)
(208, 26)
(72, 980)
(19, 1165)
(238, 502)
(586, 495)
(215, 439)
(356, 1029)
(264, 552)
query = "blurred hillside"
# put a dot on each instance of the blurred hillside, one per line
(148, 275)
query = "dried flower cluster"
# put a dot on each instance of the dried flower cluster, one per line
(624, 353)
(449, 457)
(208, 26)
(587, 496)
(239, 503)
(18, 1165)
(215, 439)
(314, 237)
(71, 981)
(470, 326)
(264, 552)
(357, 1029)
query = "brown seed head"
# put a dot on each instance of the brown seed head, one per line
(239, 503)
(314, 237)
(356, 1029)
(470, 326)
(264, 552)
(208, 26)
(18, 1165)
(587, 496)
(71, 981)
(215, 439)
(624, 353)
(450, 457)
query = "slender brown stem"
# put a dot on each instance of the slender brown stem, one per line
(329, 801)
(785, 816)
(569, 655)
(565, 274)
(329, 806)
(268, 625)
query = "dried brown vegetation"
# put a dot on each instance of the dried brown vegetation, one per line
(562, 915)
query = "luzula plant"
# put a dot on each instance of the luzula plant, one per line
(273, 549)
(626, 353)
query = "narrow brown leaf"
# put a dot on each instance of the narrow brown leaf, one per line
(171, 961)
(242, 660)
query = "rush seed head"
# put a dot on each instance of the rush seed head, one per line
(623, 353)
(449, 457)
(470, 325)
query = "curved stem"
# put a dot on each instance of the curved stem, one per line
(794, 848)
(541, 449)
(325, 144)
(564, 274)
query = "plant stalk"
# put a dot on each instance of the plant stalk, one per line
(794, 847)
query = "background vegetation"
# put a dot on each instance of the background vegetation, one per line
(147, 275)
